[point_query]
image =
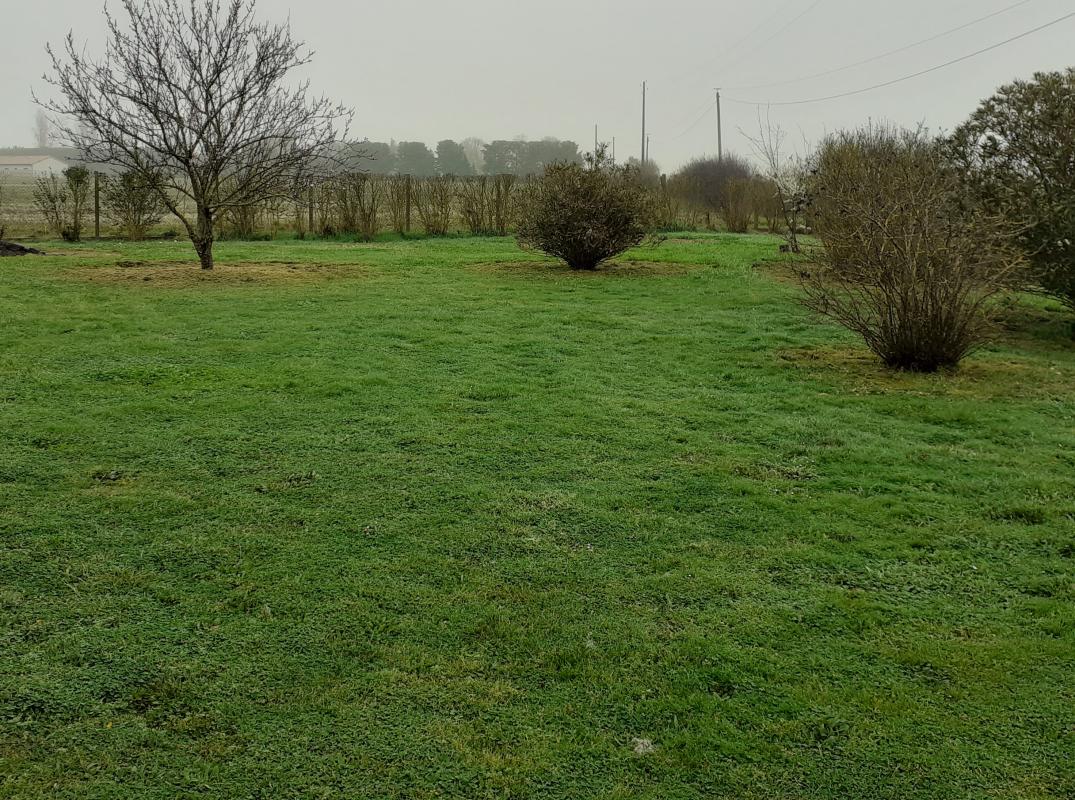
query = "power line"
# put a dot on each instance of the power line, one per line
(912, 76)
(809, 9)
(880, 56)
(738, 43)
(701, 111)
(695, 124)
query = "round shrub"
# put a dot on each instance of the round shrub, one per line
(585, 214)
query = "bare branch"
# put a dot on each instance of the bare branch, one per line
(193, 98)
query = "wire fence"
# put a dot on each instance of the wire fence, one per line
(355, 205)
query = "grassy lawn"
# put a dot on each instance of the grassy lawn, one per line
(434, 519)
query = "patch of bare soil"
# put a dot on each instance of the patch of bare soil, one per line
(784, 270)
(980, 376)
(188, 273)
(615, 269)
(81, 252)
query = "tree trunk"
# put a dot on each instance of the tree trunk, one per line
(203, 240)
(205, 253)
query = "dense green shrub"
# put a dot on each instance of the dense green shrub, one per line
(585, 214)
(1017, 156)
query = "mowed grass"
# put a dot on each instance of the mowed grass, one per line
(440, 519)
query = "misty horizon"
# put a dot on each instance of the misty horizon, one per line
(427, 73)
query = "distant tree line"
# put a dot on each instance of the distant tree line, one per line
(467, 158)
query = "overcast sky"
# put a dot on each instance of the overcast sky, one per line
(504, 68)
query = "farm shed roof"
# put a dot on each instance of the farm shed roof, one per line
(22, 161)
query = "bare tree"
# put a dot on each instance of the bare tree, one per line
(786, 174)
(193, 98)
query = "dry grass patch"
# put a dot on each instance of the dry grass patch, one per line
(615, 269)
(786, 272)
(188, 273)
(984, 377)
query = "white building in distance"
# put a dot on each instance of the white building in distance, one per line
(32, 166)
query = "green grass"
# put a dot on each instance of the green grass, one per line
(430, 519)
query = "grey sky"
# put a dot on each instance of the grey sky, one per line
(503, 68)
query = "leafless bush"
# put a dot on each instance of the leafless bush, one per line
(667, 207)
(79, 182)
(52, 199)
(905, 264)
(475, 204)
(486, 203)
(433, 201)
(787, 174)
(300, 201)
(703, 181)
(241, 222)
(765, 204)
(736, 205)
(133, 204)
(682, 190)
(398, 194)
(358, 200)
(324, 206)
(503, 202)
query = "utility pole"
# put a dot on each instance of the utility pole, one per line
(643, 123)
(720, 130)
(647, 150)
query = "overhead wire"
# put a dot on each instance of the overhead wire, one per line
(808, 10)
(694, 124)
(737, 44)
(888, 53)
(905, 78)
